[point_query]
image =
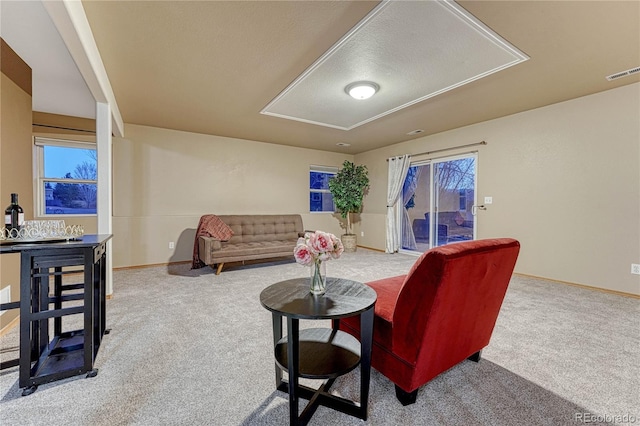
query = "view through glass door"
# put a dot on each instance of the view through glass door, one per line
(438, 196)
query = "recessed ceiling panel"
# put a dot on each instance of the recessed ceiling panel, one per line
(413, 50)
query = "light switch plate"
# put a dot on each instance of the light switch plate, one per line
(488, 200)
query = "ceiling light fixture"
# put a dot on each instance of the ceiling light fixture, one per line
(362, 89)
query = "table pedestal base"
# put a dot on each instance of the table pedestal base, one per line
(321, 396)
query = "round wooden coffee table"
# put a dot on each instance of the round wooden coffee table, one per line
(320, 353)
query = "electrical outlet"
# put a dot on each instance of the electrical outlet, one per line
(171, 245)
(635, 268)
(488, 200)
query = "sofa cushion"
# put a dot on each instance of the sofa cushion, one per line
(254, 248)
(259, 228)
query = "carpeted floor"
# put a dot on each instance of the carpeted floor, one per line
(188, 347)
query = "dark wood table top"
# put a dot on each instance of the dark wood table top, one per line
(343, 298)
(88, 240)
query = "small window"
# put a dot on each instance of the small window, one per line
(320, 198)
(463, 199)
(66, 177)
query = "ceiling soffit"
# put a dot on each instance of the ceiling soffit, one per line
(412, 50)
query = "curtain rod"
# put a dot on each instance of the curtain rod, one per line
(448, 149)
(64, 128)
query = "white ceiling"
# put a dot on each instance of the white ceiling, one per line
(212, 66)
(58, 86)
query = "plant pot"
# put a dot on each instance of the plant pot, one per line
(349, 242)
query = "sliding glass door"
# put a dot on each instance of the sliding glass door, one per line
(438, 198)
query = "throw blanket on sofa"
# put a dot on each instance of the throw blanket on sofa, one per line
(212, 226)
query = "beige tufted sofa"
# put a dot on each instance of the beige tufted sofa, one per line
(254, 237)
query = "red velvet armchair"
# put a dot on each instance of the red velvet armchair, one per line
(439, 314)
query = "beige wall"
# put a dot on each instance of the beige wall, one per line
(15, 149)
(164, 180)
(565, 181)
(15, 173)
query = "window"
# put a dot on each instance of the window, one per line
(463, 199)
(66, 177)
(320, 199)
(438, 195)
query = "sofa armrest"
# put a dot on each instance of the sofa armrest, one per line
(206, 246)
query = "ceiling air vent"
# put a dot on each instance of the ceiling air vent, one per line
(623, 73)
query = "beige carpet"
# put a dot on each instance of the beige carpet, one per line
(188, 347)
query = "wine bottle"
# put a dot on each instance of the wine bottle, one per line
(13, 215)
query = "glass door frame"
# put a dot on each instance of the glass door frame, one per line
(432, 197)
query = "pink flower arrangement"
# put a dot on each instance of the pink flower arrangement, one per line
(317, 247)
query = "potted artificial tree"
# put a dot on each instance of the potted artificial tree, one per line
(348, 187)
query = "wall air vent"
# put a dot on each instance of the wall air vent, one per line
(623, 73)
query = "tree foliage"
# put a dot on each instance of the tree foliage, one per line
(456, 174)
(348, 188)
(87, 192)
(66, 192)
(87, 170)
(78, 195)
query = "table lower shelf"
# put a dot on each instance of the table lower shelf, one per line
(65, 357)
(323, 353)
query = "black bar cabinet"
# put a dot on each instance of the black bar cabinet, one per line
(49, 351)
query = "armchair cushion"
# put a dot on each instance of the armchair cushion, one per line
(387, 290)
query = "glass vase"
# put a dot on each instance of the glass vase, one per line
(318, 278)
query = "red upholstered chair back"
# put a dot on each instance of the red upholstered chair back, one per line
(449, 302)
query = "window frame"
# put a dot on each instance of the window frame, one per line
(321, 169)
(39, 179)
(434, 201)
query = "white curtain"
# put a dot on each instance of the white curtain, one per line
(398, 167)
(409, 189)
